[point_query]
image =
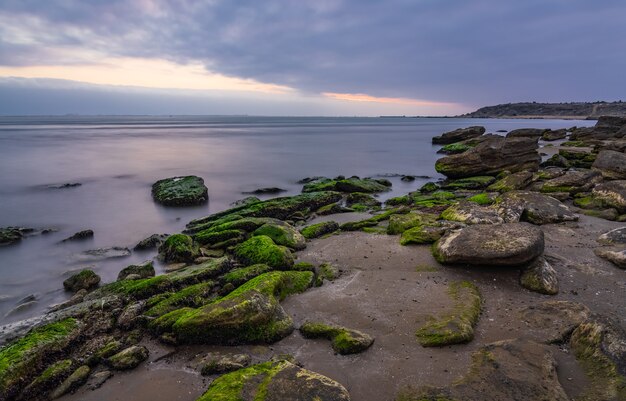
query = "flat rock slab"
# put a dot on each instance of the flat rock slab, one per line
(509, 244)
(553, 321)
(534, 207)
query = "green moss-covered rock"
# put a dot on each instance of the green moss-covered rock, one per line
(10, 235)
(359, 198)
(319, 229)
(178, 248)
(454, 148)
(75, 380)
(457, 326)
(372, 221)
(212, 237)
(249, 314)
(144, 270)
(512, 182)
(399, 223)
(421, 235)
(353, 184)
(437, 198)
(84, 280)
(429, 187)
(180, 191)
(193, 296)
(483, 199)
(262, 249)
(49, 379)
(279, 380)
(239, 276)
(477, 182)
(23, 359)
(282, 234)
(344, 341)
(129, 358)
(472, 213)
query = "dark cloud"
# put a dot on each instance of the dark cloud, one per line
(476, 52)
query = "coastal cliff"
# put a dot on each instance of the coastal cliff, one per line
(582, 110)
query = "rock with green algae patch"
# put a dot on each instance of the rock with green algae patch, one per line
(506, 370)
(193, 296)
(399, 223)
(472, 213)
(533, 207)
(423, 234)
(128, 358)
(219, 364)
(49, 379)
(374, 220)
(319, 229)
(249, 314)
(180, 191)
(10, 235)
(519, 180)
(349, 185)
(477, 182)
(599, 345)
(359, 198)
(540, 277)
(143, 270)
(483, 199)
(75, 380)
(612, 194)
(178, 248)
(344, 341)
(239, 276)
(86, 279)
(274, 381)
(24, 358)
(279, 208)
(457, 326)
(282, 234)
(262, 250)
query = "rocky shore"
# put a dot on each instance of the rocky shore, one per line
(503, 281)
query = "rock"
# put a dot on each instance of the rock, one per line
(422, 235)
(75, 380)
(359, 198)
(612, 194)
(105, 253)
(554, 321)
(579, 158)
(22, 359)
(618, 258)
(607, 127)
(398, 223)
(75, 300)
(572, 181)
(556, 160)
(144, 270)
(353, 184)
(554, 135)
(407, 178)
(477, 182)
(281, 380)
(178, 248)
(262, 249)
(534, 133)
(98, 379)
(250, 314)
(247, 201)
(472, 213)
(599, 345)
(84, 280)
(10, 235)
(64, 186)
(51, 377)
(533, 207)
(509, 244)
(512, 182)
(127, 319)
(180, 191)
(129, 358)
(540, 277)
(458, 135)
(611, 164)
(79, 236)
(505, 370)
(265, 191)
(152, 242)
(492, 157)
(615, 236)
(220, 364)
(282, 234)
(344, 341)
(320, 229)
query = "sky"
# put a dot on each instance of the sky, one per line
(301, 57)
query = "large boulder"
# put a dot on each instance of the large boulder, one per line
(492, 157)
(178, 248)
(457, 135)
(612, 194)
(276, 381)
(611, 164)
(180, 191)
(534, 133)
(534, 208)
(509, 244)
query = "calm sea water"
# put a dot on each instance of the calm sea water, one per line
(116, 159)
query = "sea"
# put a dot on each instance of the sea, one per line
(116, 159)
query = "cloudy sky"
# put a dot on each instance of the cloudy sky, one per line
(300, 57)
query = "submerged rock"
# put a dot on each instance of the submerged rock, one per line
(540, 277)
(105, 253)
(509, 244)
(458, 135)
(265, 191)
(79, 236)
(84, 280)
(353, 184)
(491, 157)
(280, 380)
(180, 191)
(11, 235)
(344, 341)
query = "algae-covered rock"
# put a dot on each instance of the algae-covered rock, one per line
(144, 270)
(540, 277)
(129, 358)
(509, 244)
(359, 198)
(219, 364)
(512, 182)
(353, 184)
(457, 326)
(612, 194)
(249, 314)
(472, 213)
(398, 223)
(533, 207)
(319, 229)
(151, 242)
(180, 191)
(476, 182)
(49, 378)
(193, 296)
(10, 235)
(84, 280)
(274, 381)
(178, 248)
(282, 234)
(600, 347)
(75, 380)
(457, 135)
(422, 235)
(344, 341)
(262, 249)
(22, 359)
(573, 181)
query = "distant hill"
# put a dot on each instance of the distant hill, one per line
(551, 110)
